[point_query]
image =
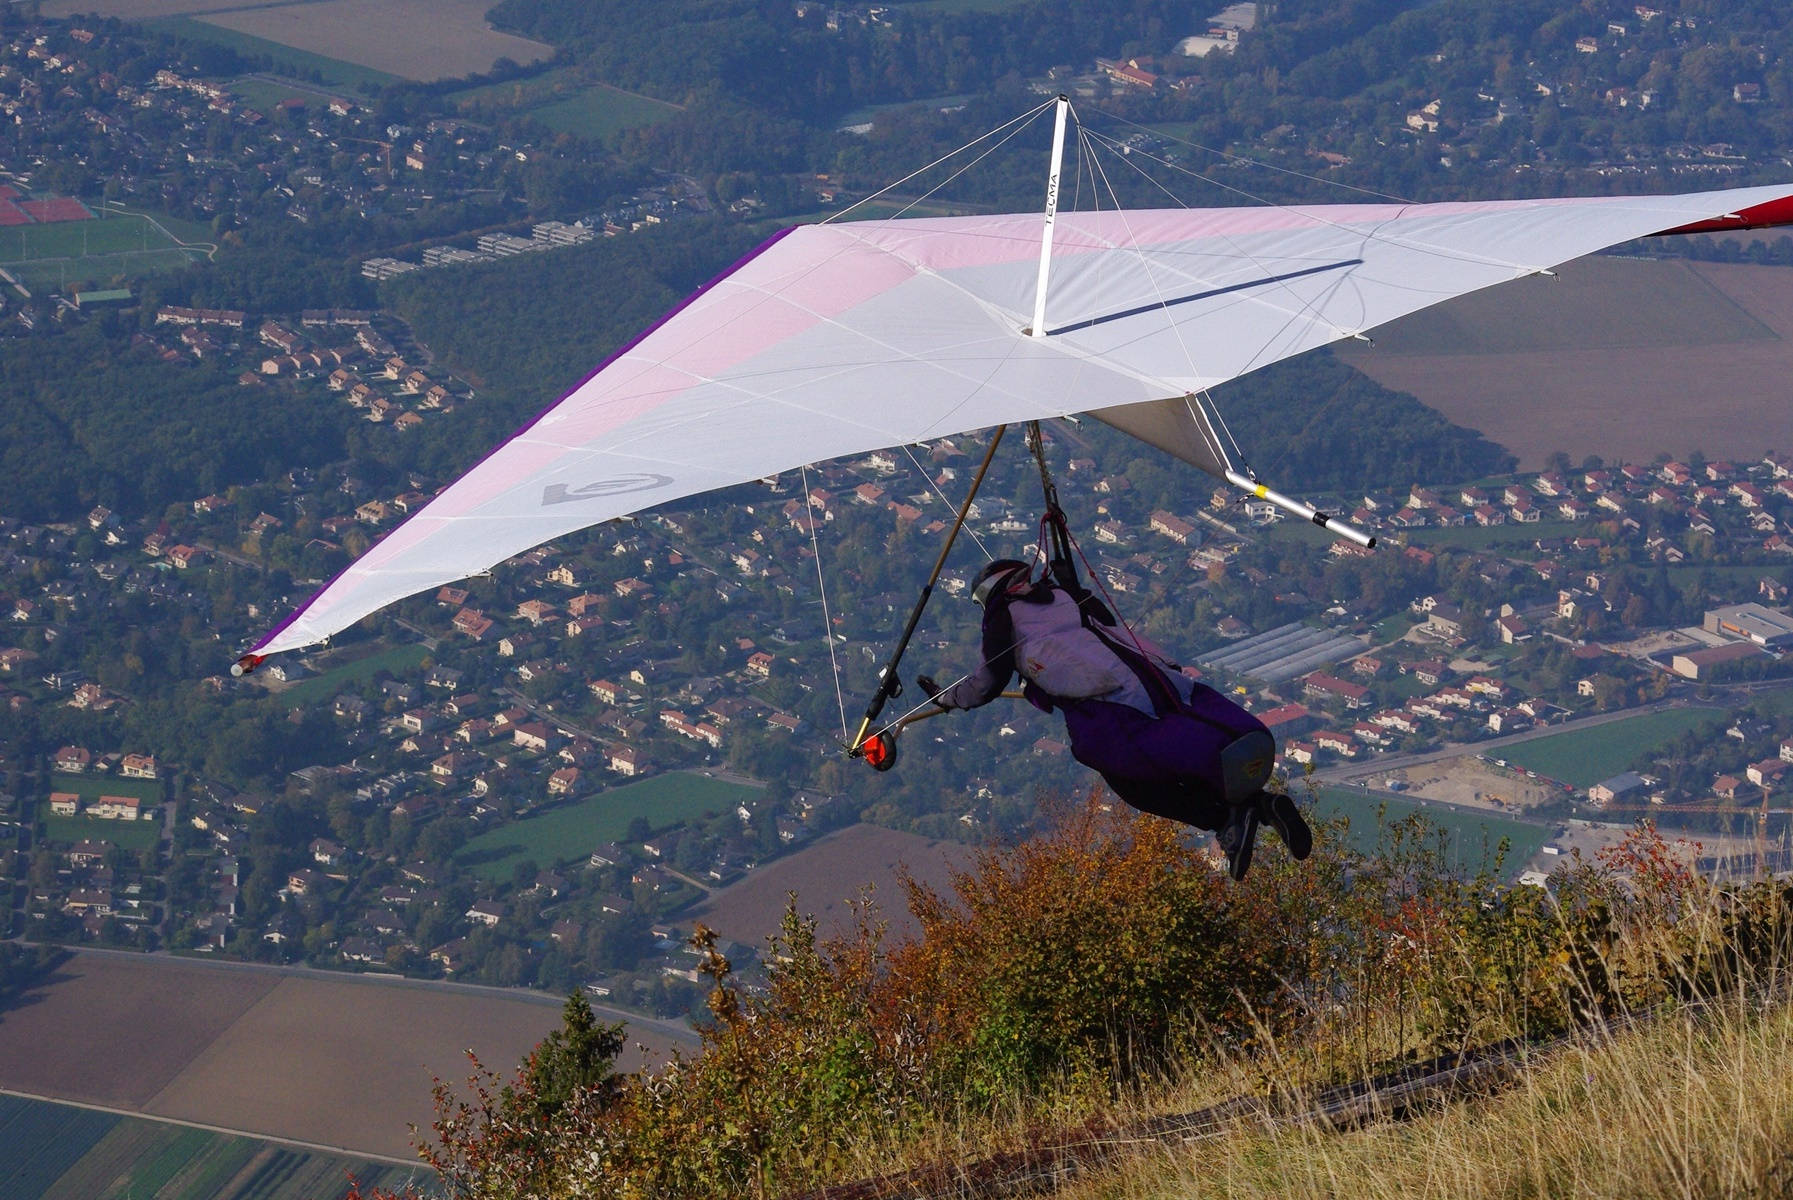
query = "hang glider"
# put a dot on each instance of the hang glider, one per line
(838, 339)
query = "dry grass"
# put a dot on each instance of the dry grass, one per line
(1695, 1105)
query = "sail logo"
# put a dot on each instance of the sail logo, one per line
(560, 493)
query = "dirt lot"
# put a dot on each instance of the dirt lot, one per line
(1469, 781)
(338, 1062)
(347, 1066)
(1668, 382)
(413, 39)
(828, 876)
(116, 1031)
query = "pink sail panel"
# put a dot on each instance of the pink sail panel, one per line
(833, 340)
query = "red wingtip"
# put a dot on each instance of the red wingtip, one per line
(1767, 215)
(247, 663)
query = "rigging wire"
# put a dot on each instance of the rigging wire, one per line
(1257, 162)
(1097, 141)
(1014, 126)
(1309, 211)
(922, 471)
(827, 622)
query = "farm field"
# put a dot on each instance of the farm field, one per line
(828, 876)
(568, 832)
(296, 60)
(135, 10)
(1586, 756)
(1470, 842)
(1624, 358)
(354, 1057)
(51, 1151)
(422, 40)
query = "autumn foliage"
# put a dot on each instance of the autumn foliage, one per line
(1105, 955)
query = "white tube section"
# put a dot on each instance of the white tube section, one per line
(1038, 328)
(1306, 512)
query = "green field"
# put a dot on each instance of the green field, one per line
(331, 71)
(1470, 843)
(396, 659)
(126, 835)
(52, 1151)
(1780, 702)
(71, 252)
(570, 831)
(602, 113)
(150, 791)
(1586, 756)
(264, 93)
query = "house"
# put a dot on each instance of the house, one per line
(1445, 621)
(563, 782)
(453, 765)
(533, 735)
(1508, 720)
(64, 804)
(1327, 687)
(88, 853)
(1482, 685)
(1172, 526)
(472, 622)
(72, 759)
(538, 612)
(1766, 774)
(450, 955)
(1700, 664)
(326, 853)
(362, 950)
(626, 760)
(1396, 719)
(116, 808)
(1628, 785)
(86, 902)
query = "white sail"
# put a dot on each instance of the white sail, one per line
(838, 339)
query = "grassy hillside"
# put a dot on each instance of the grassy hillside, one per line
(1073, 990)
(1695, 1105)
